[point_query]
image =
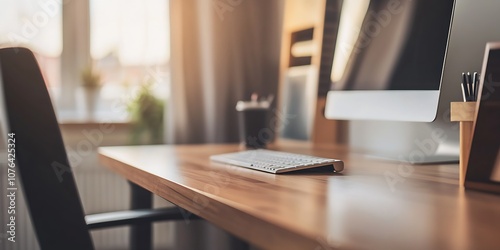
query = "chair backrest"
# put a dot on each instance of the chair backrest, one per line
(48, 183)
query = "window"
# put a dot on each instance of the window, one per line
(36, 25)
(129, 40)
(129, 45)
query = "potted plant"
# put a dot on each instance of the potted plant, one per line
(91, 83)
(146, 111)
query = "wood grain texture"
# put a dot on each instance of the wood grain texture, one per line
(371, 205)
(463, 111)
(466, 131)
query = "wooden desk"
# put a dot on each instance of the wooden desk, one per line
(373, 204)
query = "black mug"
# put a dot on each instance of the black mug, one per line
(254, 122)
(254, 126)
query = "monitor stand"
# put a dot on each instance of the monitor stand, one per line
(413, 142)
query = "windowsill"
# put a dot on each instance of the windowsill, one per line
(98, 117)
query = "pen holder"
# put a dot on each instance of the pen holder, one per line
(464, 112)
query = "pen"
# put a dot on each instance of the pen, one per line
(465, 89)
(477, 85)
(474, 80)
(469, 86)
(473, 86)
(463, 92)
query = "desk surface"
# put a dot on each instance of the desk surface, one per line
(372, 204)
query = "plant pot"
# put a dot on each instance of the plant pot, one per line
(91, 98)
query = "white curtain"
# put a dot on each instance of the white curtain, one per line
(221, 52)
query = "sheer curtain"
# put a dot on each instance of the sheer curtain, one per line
(221, 52)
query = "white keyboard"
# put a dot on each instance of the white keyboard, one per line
(276, 162)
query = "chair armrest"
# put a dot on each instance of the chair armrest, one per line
(136, 216)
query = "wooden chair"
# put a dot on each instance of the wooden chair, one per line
(43, 167)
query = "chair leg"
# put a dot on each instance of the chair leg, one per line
(140, 235)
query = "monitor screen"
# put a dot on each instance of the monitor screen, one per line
(388, 59)
(391, 44)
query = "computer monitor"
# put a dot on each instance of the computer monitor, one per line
(389, 56)
(395, 76)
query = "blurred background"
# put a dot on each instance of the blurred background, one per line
(128, 72)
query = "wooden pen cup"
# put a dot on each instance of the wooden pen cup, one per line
(464, 112)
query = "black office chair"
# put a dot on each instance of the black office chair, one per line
(49, 186)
